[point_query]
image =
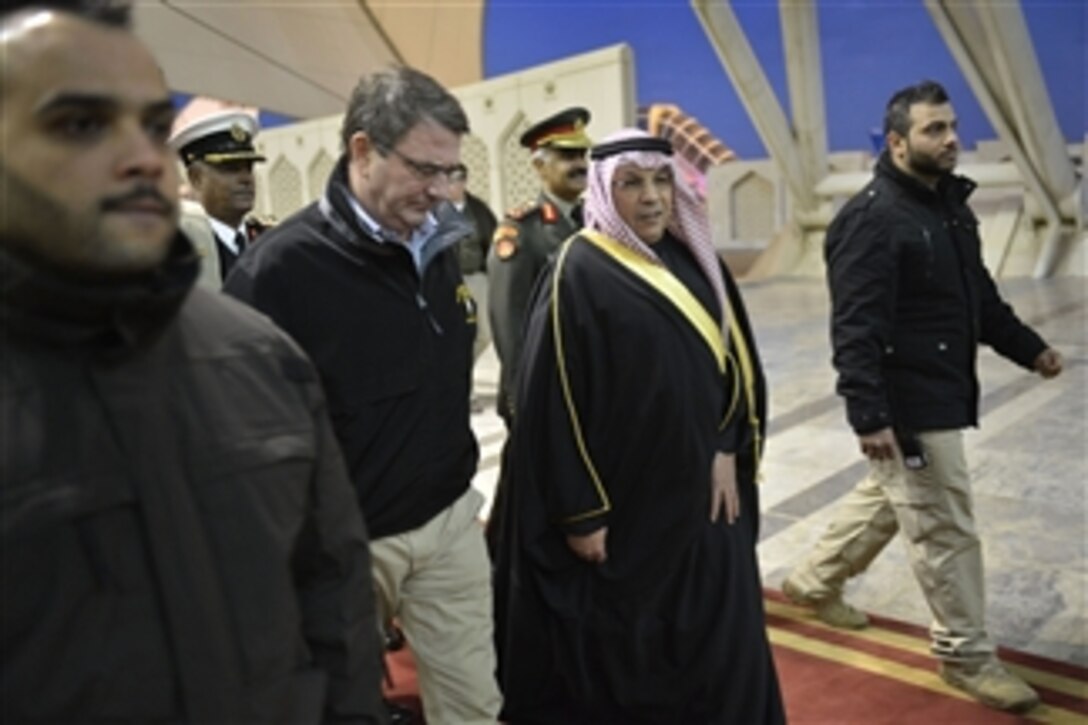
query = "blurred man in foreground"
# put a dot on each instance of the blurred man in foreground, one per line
(179, 539)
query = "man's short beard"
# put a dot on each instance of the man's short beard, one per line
(925, 164)
(30, 222)
(45, 231)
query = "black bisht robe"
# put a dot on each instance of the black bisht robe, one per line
(670, 629)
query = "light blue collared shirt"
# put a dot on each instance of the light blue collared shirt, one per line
(416, 243)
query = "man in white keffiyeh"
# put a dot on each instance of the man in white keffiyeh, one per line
(626, 583)
(688, 221)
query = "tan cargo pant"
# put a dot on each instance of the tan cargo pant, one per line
(933, 508)
(436, 580)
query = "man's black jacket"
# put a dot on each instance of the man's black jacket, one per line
(393, 349)
(911, 300)
(179, 537)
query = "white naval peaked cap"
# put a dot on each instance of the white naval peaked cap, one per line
(218, 138)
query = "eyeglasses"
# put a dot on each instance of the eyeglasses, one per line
(426, 170)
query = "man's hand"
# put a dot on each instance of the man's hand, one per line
(591, 546)
(723, 488)
(879, 446)
(1048, 363)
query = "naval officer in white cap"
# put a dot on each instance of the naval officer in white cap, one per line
(218, 154)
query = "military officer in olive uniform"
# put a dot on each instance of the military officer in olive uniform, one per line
(528, 236)
(218, 154)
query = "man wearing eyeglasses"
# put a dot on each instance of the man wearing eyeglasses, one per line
(528, 236)
(367, 280)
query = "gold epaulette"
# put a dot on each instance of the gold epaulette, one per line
(505, 241)
(256, 226)
(521, 211)
(549, 212)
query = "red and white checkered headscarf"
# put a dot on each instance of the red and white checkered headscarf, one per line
(688, 224)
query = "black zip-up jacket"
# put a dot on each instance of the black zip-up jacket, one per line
(911, 300)
(180, 540)
(394, 350)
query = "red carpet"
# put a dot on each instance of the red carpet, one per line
(880, 675)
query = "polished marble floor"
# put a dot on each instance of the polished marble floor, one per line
(1028, 459)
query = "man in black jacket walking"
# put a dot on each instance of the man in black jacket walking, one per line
(911, 301)
(367, 281)
(178, 531)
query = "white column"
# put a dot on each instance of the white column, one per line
(755, 92)
(804, 72)
(998, 60)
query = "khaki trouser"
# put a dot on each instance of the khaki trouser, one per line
(436, 580)
(933, 509)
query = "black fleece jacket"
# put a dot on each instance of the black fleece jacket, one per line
(393, 348)
(180, 541)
